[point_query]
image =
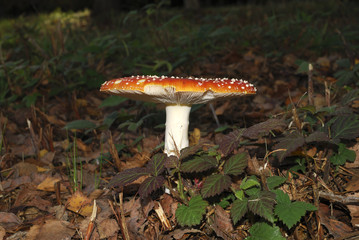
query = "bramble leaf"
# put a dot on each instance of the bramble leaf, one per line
(230, 141)
(150, 184)
(192, 214)
(264, 128)
(345, 127)
(199, 164)
(290, 212)
(261, 230)
(275, 181)
(262, 204)
(289, 143)
(127, 176)
(236, 164)
(239, 208)
(343, 155)
(157, 164)
(215, 184)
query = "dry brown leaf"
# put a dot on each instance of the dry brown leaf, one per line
(108, 228)
(223, 224)
(2, 232)
(52, 229)
(9, 220)
(49, 184)
(223, 108)
(354, 164)
(194, 137)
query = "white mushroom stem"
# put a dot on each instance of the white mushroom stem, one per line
(176, 136)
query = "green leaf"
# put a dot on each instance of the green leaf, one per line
(345, 127)
(127, 176)
(199, 164)
(236, 164)
(290, 212)
(215, 184)
(275, 181)
(343, 155)
(248, 183)
(157, 164)
(112, 101)
(226, 201)
(262, 205)
(80, 124)
(303, 67)
(261, 231)
(239, 208)
(150, 184)
(192, 214)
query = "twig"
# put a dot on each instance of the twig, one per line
(125, 234)
(91, 225)
(214, 114)
(163, 218)
(310, 84)
(339, 198)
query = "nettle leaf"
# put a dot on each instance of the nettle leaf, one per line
(239, 209)
(343, 155)
(191, 150)
(275, 181)
(290, 212)
(345, 127)
(236, 164)
(127, 176)
(262, 205)
(157, 164)
(264, 128)
(230, 141)
(215, 184)
(289, 144)
(150, 184)
(261, 230)
(192, 214)
(199, 164)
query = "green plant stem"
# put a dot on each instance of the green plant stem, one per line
(180, 188)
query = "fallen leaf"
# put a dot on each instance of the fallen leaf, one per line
(108, 228)
(52, 229)
(79, 203)
(49, 184)
(9, 220)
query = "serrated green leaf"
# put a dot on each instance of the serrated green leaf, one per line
(275, 181)
(236, 164)
(80, 124)
(343, 155)
(157, 164)
(261, 231)
(215, 184)
(226, 201)
(290, 212)
(150, 184)
(199, 164)
(127, 176)
(112, 101)
(239, 208)
(345, 127)
(262, 205)
(192, 214)
(239, 194)
(249, 182)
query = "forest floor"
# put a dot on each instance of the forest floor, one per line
(280, 164)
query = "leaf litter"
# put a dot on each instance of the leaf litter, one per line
(38, 157)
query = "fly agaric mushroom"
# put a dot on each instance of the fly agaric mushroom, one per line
(178, 94)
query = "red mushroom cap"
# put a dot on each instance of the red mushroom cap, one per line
(175, 90)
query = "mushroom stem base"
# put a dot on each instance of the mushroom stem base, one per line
(176, 136)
